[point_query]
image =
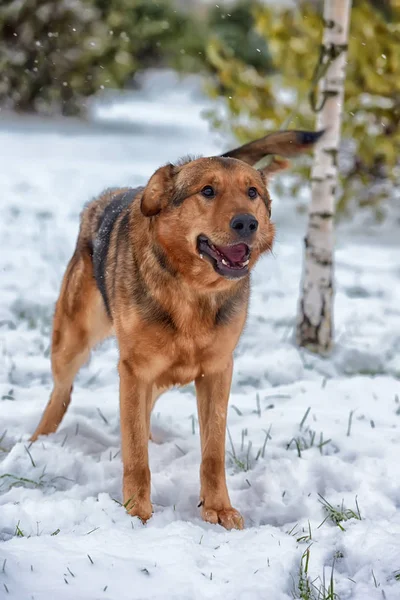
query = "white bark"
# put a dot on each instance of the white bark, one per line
(315, 314)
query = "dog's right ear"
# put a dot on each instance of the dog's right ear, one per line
(158, 192)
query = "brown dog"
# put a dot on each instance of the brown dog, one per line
(166, 269)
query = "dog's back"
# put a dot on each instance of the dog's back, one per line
(111, 201)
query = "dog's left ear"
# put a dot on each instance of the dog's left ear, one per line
(158, 191)
(276, 165)
(283, 143)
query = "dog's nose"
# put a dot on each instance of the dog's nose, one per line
(244, 225)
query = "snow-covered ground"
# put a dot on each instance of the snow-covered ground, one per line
(302, 429)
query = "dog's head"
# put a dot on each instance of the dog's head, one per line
(211, 216)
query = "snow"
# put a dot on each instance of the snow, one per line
(63, 532)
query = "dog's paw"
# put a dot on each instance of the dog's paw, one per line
(229, 518)
(143, 510)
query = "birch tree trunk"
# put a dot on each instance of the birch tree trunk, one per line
(315, 311)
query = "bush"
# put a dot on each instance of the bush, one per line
(55, 53)
(371, 119)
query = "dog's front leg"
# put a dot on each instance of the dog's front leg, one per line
(135, 404)
(212, 403)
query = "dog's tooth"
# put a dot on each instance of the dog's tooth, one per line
(224, 262)
(246, 262)
(201, 256)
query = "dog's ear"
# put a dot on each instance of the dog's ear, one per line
(158, 192)
(276, 165)
(285, 143)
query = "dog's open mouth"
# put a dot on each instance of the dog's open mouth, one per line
(229, 261)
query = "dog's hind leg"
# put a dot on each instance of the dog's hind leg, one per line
(80, 322)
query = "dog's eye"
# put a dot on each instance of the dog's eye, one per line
(252, 192)
(208, 191)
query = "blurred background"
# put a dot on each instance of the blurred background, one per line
(245, 65)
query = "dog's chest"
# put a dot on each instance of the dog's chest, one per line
(196, 339)
(201, 350)
(188, 358)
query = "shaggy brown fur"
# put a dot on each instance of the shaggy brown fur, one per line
(166, 269)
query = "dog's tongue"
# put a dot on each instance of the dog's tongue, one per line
(236, 253)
